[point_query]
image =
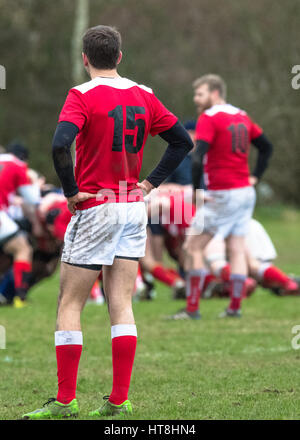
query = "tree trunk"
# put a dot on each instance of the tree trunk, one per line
(81, 23)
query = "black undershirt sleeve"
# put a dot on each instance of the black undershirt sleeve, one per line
(197, 162)
(265, 149)
(180, 144)
(64, 136)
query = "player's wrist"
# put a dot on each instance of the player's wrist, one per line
(253, 179)
(72, 194)
(146, 186)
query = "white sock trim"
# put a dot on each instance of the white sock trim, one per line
(64, 337)
(123, 330)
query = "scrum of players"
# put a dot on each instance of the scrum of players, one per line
(33, 220)
(218, 249)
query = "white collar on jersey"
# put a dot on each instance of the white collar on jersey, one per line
(7, 157)
(117, 83)
(224, 108)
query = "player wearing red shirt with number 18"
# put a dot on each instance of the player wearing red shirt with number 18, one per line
(111, 117)
(223, 135)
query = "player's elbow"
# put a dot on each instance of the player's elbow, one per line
(264, 145)
(185, 141)
(64, 135)
(189, 143)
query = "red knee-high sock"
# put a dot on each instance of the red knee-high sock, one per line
(173, 272)
(209, 277)
(68, 351)
(237, 290)
(21, 271)
(124, 338)
(225, 272)
(165, 275)
(195, 282)
(274, 276)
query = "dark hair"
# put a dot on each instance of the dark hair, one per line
(19, 150)
(102, 45)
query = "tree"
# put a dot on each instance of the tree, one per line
(81, 23)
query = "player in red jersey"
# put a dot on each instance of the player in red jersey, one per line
(170, 212)
(223, 134)
(14, 177)
(111, 117)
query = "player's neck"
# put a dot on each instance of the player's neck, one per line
(219, 102)
(103, 73)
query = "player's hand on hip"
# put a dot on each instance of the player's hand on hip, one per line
(145, 186)
(253, 180)
(79, 197)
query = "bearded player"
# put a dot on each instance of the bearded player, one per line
(111, 117)
(223, 134)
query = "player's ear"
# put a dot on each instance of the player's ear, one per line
(216, 94)
(120, 57)
(85, 59)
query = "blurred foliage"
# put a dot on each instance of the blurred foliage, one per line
(253, 44)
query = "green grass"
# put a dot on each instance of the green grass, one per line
(208, 369)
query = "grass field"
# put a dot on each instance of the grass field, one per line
(208, 369)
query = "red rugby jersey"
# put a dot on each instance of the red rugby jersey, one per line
(13, 174)
(114, 117)
(62, 220)
(229, 132)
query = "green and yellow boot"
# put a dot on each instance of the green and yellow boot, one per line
(54, 410)
(110, 409)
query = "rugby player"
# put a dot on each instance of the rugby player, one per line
(260, 255)
(169, 214)
(111, 117)
(223, 135)
(14, 178)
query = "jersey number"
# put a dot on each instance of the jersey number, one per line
(136, 125)
(239, 136)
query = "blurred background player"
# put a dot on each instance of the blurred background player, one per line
(180, 179)
(54, 217)
(14, 178)
(260, 255)
(223, 136)
(170, 212)
(163, 234)
(182, 175)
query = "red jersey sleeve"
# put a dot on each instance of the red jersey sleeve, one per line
(22, 177)
(74, 109)
(205, 130)
(255, 131)
(162, 118)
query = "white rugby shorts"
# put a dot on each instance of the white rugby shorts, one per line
(259, 243)
(228, 213)
(95, 236)
(8, 228)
